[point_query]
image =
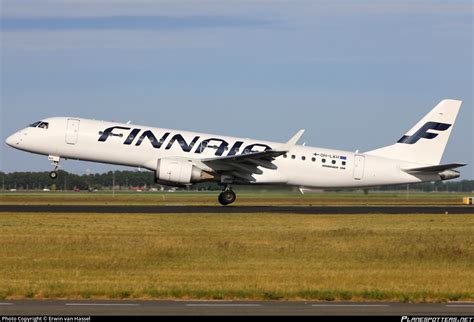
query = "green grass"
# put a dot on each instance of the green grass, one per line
(243, 198)
(411, 258)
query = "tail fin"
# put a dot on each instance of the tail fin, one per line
(426, 141)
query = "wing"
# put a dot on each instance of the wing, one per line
(244, 166)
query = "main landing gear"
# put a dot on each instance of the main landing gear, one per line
(227, 196)
(55, 163)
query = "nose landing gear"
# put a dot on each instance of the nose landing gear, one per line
(227, 196)
(55, 162)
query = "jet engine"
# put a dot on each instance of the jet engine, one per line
(179, 172)
(449, 174)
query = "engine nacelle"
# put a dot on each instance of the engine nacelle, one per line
(449, 174)
(176, 171)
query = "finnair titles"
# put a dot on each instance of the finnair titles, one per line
(219, 145)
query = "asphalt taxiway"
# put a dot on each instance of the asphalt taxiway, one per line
(308, 210)
(65, 307)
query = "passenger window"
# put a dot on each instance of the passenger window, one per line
(293, 156)
(333, 161)
(343, 162)
(313, 159)
(285, 156)
(303, 158)
(323, 160)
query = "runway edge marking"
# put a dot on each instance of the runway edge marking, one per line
(99, 304)
(223, 305)
(351, 305)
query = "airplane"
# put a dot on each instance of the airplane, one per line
(181, 158)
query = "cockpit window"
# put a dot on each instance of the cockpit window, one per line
(42, 125)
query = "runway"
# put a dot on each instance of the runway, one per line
(65, 307)
(307, 210)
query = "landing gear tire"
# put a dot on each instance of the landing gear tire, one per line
(53, 175)
(227, 197)
(55, 163)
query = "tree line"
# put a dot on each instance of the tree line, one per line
(125, 180)
(70, 181)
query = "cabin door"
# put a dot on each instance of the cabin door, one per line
(72, 131)
(359, 165)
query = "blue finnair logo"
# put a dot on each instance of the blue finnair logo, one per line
(424, 134)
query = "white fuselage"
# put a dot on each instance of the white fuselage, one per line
(141, 146)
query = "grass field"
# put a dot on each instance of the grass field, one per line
(264, 256)
(243, 198)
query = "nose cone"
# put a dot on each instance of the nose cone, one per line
(13, 140)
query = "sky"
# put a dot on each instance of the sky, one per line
(355, 74)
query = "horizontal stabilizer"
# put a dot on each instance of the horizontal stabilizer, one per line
(435, 168)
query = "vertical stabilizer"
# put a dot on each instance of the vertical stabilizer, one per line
(426, 141)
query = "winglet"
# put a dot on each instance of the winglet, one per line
(292, 142)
